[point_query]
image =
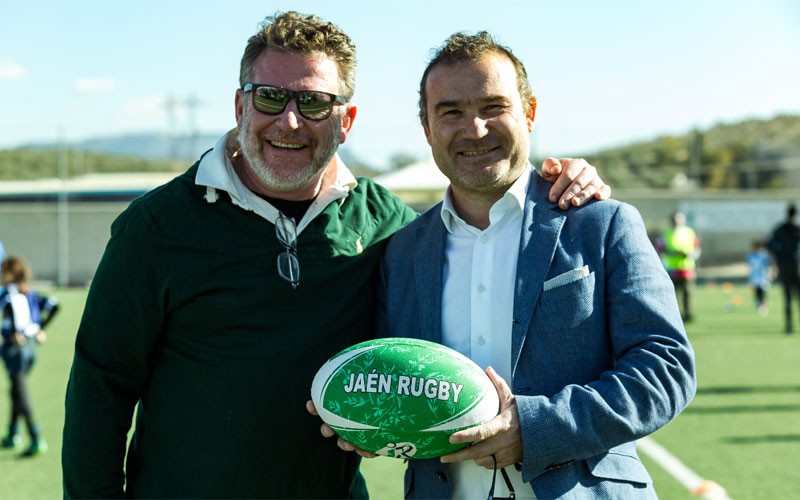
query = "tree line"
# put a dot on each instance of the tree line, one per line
(750, 154)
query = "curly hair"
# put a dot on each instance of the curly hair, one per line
(17, 269)
(297, 33)
(463, 48)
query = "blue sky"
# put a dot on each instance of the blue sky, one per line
(605, 72)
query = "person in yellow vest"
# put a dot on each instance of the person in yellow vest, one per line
(679, 248)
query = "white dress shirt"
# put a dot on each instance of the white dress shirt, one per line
(477, 309)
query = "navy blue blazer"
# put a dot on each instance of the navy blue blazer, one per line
(600, 355)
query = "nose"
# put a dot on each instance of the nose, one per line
(475, 127)
(288, 119)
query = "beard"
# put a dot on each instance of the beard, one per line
(492, 176)
(283, 178)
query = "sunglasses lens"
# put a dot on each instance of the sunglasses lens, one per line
(289, 267)
(270, 100)
(314, 105)
(286, 231)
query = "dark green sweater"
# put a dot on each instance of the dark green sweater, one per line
(188, 317)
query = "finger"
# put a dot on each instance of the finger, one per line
(326, 431)
(473, 452)
(310, 408)
(551, 169)
(500, 384)
(604, 192)
(583, 195)
(348, 446)
(490, 462)
(495, 425)
(478, 433)
(576, 172)
(365, 454)
(502, 459)
(582, 186)
(569, 169)
(596, 189)
(585, 185)
(481, 453)
(345, 445)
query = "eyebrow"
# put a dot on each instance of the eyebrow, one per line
(453, 103)
(445, 105)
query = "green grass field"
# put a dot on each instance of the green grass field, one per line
(741, 431)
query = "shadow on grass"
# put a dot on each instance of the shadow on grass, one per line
(700, 409)
(12, 456)
(704, 410)
(746, 389)
(788, 438)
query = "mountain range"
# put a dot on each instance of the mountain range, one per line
(154, 146)
(748, 154)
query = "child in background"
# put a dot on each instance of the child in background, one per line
(25, 313)
(759, 278)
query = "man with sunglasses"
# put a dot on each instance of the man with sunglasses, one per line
(221, 293)
(572, 308)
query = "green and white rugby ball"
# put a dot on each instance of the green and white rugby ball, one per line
(403, 397)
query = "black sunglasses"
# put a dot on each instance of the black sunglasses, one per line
(288, 264)
(312, 104)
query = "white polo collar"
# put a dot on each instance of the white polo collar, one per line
(216, 172)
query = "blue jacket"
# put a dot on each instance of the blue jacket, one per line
(600, 356)
(41, 309)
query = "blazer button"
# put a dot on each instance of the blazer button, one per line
(440, 476)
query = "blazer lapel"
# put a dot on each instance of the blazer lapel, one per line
(541, 226)
(429, 252)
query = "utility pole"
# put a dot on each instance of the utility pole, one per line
(171, 106)
(62, 167)
(191, 108)
(695, 157)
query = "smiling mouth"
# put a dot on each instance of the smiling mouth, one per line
(286, 145)
(478, 152)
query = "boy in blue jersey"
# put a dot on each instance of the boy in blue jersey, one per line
(759, 275)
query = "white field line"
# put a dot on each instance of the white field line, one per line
(696, 485)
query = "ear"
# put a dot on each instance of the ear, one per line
(427, 131)
(347, 121)
(531, 114)
(239, 106)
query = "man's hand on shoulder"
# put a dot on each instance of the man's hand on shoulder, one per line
(574, 181)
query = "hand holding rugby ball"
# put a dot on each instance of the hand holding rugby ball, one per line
(402, 397)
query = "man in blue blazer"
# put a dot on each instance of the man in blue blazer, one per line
(572, 309)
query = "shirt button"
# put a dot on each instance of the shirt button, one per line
(440, 476)
(481, 340)
(484, 238)
(481, 288)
